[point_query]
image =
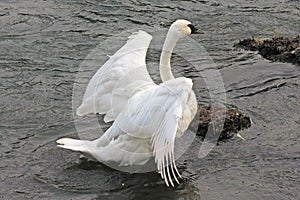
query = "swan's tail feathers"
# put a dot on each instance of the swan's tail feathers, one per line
(73, 144)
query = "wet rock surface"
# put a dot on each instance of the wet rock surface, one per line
(274, 49)
(232, 119)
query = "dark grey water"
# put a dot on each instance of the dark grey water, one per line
(43, 44)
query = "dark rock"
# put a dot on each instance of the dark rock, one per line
(234, 121)
(274, 49)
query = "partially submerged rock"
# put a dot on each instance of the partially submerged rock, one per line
(233, 121)
(274, 49)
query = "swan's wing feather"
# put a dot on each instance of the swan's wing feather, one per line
(123, 75)
(154, 113)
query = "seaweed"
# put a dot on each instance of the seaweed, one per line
(274, 49)
(233, 122)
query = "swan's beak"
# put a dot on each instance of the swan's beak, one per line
(195, 30)
(198, 31)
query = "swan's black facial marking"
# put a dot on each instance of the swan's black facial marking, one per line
(194, 30)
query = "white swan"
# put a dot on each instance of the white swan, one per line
(147, 117)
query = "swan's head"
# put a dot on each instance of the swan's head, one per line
(184, 28)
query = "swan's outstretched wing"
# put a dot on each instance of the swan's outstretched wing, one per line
(118, 79)
(154, 113)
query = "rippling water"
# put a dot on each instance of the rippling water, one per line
(43, 44)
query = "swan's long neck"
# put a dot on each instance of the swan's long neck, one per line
(165, 58)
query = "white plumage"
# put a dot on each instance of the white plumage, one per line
(119, 78)
(147, 117)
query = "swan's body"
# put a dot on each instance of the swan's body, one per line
(147, 117)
